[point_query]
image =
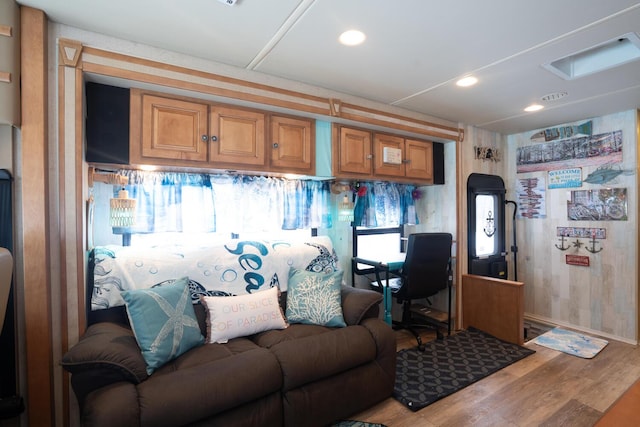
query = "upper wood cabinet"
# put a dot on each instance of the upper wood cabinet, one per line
(404, 158)
(419, 159)
(361, 154)
(237, 137)
(352, 155)
(174, 131)
(292, 145)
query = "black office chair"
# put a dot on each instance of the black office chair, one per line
(426, 272)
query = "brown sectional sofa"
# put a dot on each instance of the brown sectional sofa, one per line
(304, 375)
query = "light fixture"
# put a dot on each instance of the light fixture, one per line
(352, 38)
(467, 81)
(612, 53)
(345, 210)
(123, 210)
(533, 107)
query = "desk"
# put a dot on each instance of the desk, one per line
(392, 264)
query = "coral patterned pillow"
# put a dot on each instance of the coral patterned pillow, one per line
(314, 298)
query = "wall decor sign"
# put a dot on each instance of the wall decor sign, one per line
(606, 173)
(604, 148)
(608, 204)
(487, 153)
(563, 132)
(531, 193)
(580, 260)
(565, 178)
(584, 232)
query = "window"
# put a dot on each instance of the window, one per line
(486, 226)
(183, 208)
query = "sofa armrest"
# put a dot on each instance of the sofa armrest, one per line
(107, 353)
(358, 304)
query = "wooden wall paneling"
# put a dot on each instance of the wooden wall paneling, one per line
(32, 184)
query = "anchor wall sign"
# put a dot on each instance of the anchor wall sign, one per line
(595, 234)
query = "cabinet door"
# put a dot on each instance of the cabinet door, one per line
(354, 152)
(237, 137)
(173, 129)
(292, 145)
(419, 160)
(389, 155)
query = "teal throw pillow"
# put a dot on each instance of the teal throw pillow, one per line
(163, 321)
(314, 298)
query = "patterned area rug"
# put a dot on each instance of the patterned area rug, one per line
(449, 365)
(571, 343)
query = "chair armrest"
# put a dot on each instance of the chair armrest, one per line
(358, 304)
(107, 353)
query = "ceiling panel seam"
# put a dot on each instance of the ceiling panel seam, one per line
(291, 20)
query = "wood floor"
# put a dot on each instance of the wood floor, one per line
(548, 388)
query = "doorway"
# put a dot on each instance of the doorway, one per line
(486, 226)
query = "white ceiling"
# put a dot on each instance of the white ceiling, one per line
(414, 52)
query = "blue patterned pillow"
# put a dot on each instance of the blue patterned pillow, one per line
(314, 298)
(163, 321)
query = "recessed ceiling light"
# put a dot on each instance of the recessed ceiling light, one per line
(467, 81)
(533, 107)
(352, 37)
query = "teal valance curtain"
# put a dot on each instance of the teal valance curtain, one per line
(188, 202)
(385, 204)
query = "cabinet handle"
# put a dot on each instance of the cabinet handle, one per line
(204, 138)
(406, 161)
(275, 145)
(369, 156)
(214, 138)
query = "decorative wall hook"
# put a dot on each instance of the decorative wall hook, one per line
(593, 249)
(562, 247)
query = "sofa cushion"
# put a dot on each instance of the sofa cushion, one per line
(163, 321)
(109, 350)
(193, 393)
(242, 315)
(304, 360)
(207, 353)
(314, 298)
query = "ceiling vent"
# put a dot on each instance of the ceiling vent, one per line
(554, 96)
(612, 53)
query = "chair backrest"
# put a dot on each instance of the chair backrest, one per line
(6, 272)
(426, 268)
